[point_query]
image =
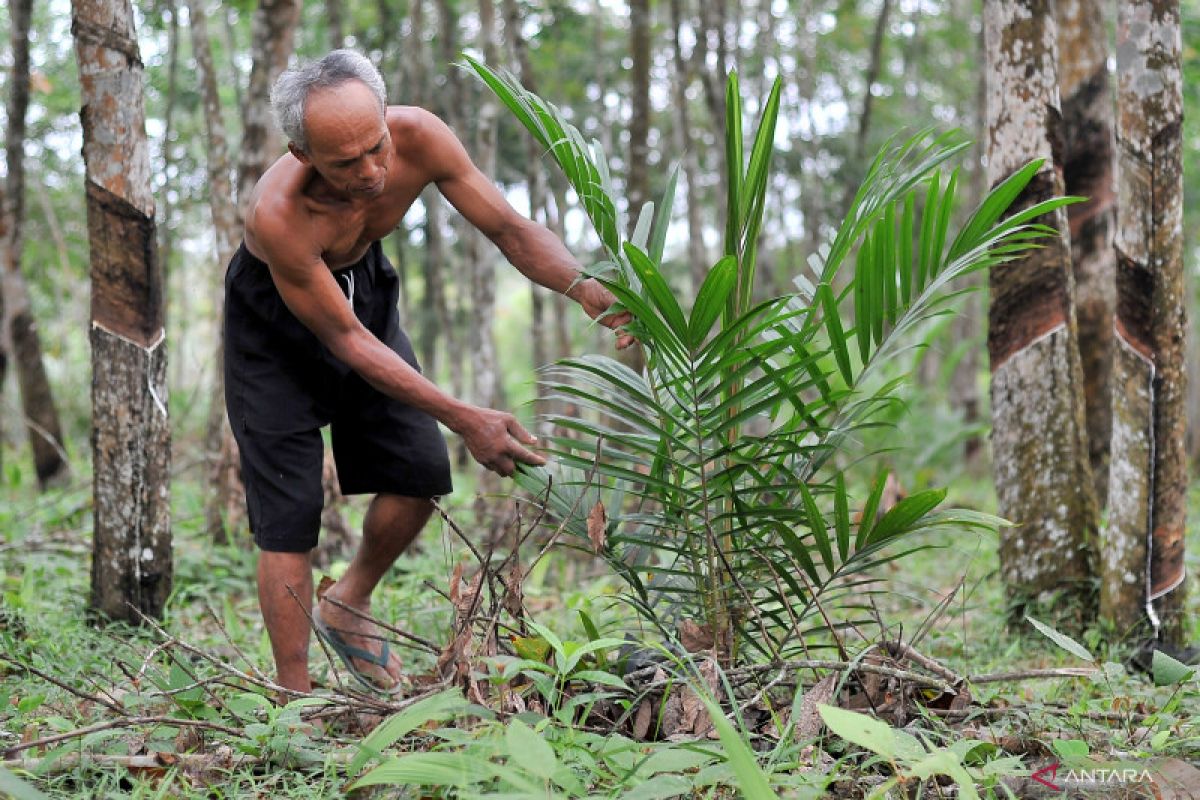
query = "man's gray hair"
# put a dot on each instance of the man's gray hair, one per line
(290, 93)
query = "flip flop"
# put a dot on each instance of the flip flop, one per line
(348, 652)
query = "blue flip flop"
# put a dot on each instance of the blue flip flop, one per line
(348, 652)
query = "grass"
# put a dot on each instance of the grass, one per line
(44, 560)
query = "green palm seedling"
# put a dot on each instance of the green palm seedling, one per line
(720, 465)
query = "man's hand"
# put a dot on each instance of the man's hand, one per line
(596, 300)
(496, 440)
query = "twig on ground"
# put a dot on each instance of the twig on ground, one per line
(111, 705)
(123, 722)
(1029, 674)
(899, 649)
(229, 639)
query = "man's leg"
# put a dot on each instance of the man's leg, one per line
(391, 524)
(287, 623)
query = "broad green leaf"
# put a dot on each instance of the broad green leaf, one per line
(929, 216)
(1168, 671)
(837, 338)
(641, 230)
(943, 222)
(866, 732)
(733, 162)
(867, 521)
(662, 218)
(437, 707)
(751, 779)
(659, 787)
(533, 648)
(1062, 640)
(601, 678)
(905, 513)
(711, 299)
(17, 789)
(676, 758)
(817, 527)
(841, 515)
(945, 762)
(992, 206)
(429, 769)
(529, 750)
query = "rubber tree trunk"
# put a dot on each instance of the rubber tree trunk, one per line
(697, 254)
(481, 263)
(1039, 437)
(1088, 161)
(451, 108)
(1143, 545)
(37, 400)
(223, 509)
(481, 270)
(637, 187)
(131, 558)
(535, 179)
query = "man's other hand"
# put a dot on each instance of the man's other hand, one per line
(596, 300)
(497, 441)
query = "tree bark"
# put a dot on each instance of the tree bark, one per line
(450, 106)
(37, 399)
(637, 190)
(272, 40)
(223, 509)
(226, 222)
(337, 31)
(481, 264)
(166, 240)
(1143, 547)
(873, 68)
(1088, 172)
(131, 561)
(1039, 436)
(697, 254)
(535, 180)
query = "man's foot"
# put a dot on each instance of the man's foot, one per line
(359, 644)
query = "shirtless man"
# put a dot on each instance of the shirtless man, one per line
(312, 339)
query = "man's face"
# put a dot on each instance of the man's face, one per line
(348, 140)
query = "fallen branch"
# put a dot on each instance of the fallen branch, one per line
(123, 722)
(1030, 674)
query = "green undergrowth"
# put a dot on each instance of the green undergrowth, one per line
(545, 750)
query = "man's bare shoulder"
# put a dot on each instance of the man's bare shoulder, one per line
(423, 138)
(277, 212)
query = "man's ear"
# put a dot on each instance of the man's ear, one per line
(300, 155)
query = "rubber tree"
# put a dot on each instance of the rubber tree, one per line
(131, 558)
(1039, 438)
(37, 400)
(1143, 545)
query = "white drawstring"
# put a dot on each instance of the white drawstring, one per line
(349, 287)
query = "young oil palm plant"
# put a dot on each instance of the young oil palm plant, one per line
(746, 529)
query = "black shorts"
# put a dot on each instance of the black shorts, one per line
(282, 386)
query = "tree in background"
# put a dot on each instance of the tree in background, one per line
(131, 557)
(272, 40)
(20, 330)
(1039, 438)
(1143, 548)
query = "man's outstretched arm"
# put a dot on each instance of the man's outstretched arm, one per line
(530, 247)
(495, 438)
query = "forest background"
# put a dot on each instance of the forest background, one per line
(647, 81)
